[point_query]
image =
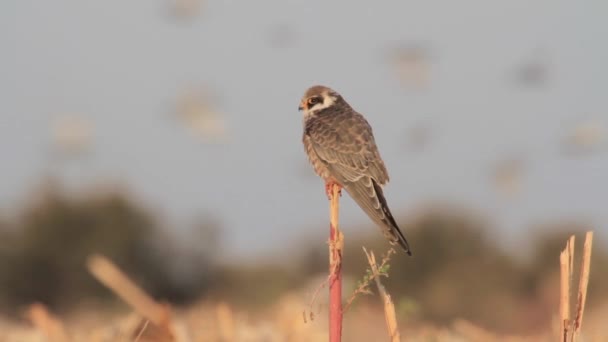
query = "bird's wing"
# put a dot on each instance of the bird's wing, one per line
(346, 145)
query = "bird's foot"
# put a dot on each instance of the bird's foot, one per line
(329, 189)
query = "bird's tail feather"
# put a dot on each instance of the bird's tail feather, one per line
(369, 196)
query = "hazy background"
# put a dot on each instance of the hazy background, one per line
(189, 110)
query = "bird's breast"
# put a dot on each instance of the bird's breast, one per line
(317, 164)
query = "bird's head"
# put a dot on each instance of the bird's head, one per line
(318, 98)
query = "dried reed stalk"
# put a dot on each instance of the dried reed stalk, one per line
(225, 322)
(565, 259)
(389, 307)
(582, 284)
(112, 277)
(47, 323)
(570, 329)
(336, 246)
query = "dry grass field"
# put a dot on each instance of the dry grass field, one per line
(282, 322)
(291, 318)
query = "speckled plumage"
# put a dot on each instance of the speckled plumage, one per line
(341, 148)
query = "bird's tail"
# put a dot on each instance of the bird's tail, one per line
(369, 196)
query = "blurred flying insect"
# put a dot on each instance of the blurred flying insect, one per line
(507, 176)
(585, 137)
(412, 65)
(185, 9)
(418, 136)
(72, 135)
(534, 72)
(196, 112)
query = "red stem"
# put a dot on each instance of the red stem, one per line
(335, 269)
(335, 293)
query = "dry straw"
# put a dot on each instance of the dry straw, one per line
(51, 326)
(159, 314)
(570, 329)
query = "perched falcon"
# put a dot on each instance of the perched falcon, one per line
(341, 148)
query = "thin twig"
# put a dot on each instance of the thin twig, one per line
(313, 299)
(141, 331)
(363, 287)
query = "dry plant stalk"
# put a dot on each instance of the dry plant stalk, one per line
(570, 329)
(336, 246)
(225, 322)
(582, 284)
(113, 278)
(47, 323)
(565, 259)
(389, 307)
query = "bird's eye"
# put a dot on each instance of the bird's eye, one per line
(313, 101)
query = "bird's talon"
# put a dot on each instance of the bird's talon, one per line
(329, 189)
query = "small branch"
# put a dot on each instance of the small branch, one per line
(389, 307)
(363, 286)
(362, 289)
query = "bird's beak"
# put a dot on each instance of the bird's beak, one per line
(301, 106)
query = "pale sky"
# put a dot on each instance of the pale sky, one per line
(121, 64)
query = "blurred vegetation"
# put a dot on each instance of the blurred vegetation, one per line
(459, 270)
(43, 251)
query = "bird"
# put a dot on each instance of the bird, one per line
(341, 147)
